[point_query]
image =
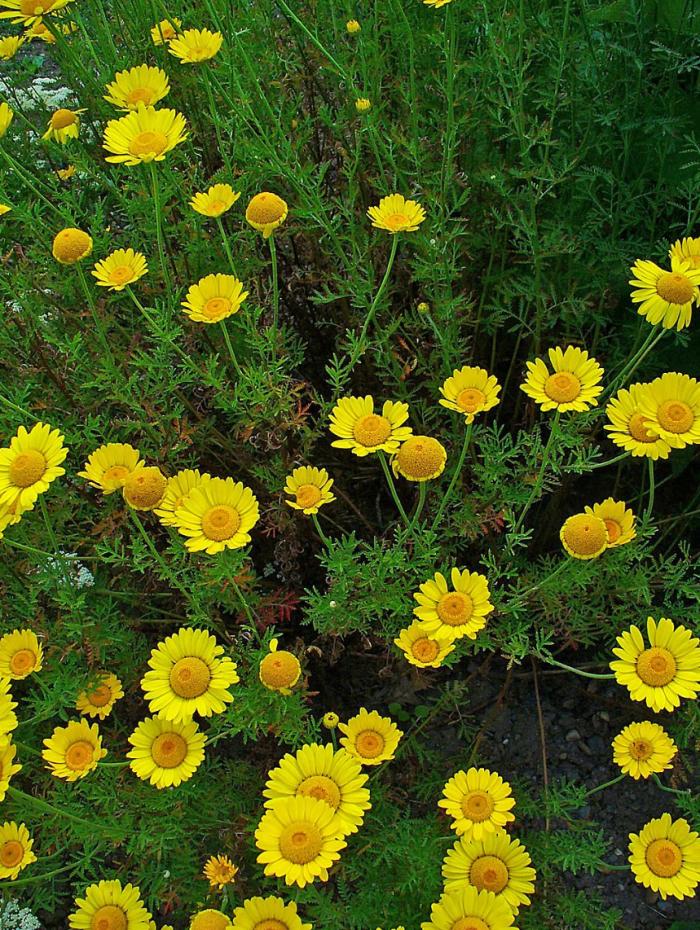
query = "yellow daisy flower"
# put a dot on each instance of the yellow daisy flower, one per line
(665, 856)
(145, 487)
(619, 521)
(642, 749)
(30, 464)
(665, 297)
(99, 700)
(8, 767)
(573, 384)
(176, 492)
(9, 516)
(142, 84)
(584, 535)
(665, 671)
(266, 212)
(15, 849)
(271, 912)
(686, 250)
(165, 31)
(332, 776)
(27, 12)
(330, 720)
(4, 208)
(144, 135)
(459, 612)
(20, 654)
(65, 174)
(214, 298)
(71, 245)
(220, 871)
(395, 214)
(363, 104)
(423, 647)
(310, 487)
(9, 46)
(39, 30)
(436, 4)
(8, 718)
(188, 675)
(370, 738)
(299, 840)
(166, 753)
(419, 458)
(494, 863)
(279, 670)
(210, 919)
(670, 406)
(470, 909)
(6, 117)
(72, 751)
(215, 201)
(108, 467)
(478, 801)
(363, 431)
(112, 906)
(217, 515)
(195, 45)
(470, 391)
(121, 268)
(628, 428)
(63, 125)
(352, 26)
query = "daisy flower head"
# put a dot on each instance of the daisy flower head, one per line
(27, 12)
(395, 214)
(665, 297)
(65, 174)
(195, 45)
(220, 871)
(109, 466)
(663, 672)
(665, 856)
(71, 245)
(141, 84)
(8, 718)
(15, 849)
(30, 464)
(330, 720)
(176, 491)
(363, 104)
(210, 919)
(9, 46)
(73, 751)
(643, 749)
(63, 125)
(363, 431)
(20, 654)
(217, 515)
(270, 912)
(670, 406)
(144, 135)
(99, 699)
(461, 610)
(309, 488)
(266, 212)
(300, 840)
(39, 30)
(471, 909)
(214, 298)
(618, 518)
(8, 766)
(4, 208)
(144, 488)
(478, 802)
(165, 753)
(6, 117)
(628, 428)
(353, 27)
(121, 268)
(470, 391)
(419, 458)
(370, 738)
(573, 383)
(686, 250)
(422, 647)
(279, 670)
(495, 863)
(215, 201)
(165, 31)
(329, 775)
(584, 535)
(112, 906)
(10, 515)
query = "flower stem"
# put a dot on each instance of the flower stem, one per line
(618, 458)
(652, 489)
(577, 671)
(44, 805)
(99, 326)
(684, 792)
(158, 557)
(547, 578)
(8, 403)
(455, 475)
(540, 475)
(392, 488)
(227, 340)
(159, 229)
(636, 360)
(606, 784)
(322, 536)
(375, 303)
(52, 536)
(275, 288)
(227, 247)
(38, 878)
(422, 492)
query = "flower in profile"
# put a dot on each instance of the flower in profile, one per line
(352, 26)
(176, 491)
(670, 406)
(142, 84)
(109, 466)
(195, 45)
(112, 906)
(470, 908)
(370, 738)
(188, 674)
(470, 391)
(63, 126)
(494, 863)
(619, 521)
(121, 268)
(573, 384)
(165, 31)
(419, 458)
(266, 212)
(330, 720)
(665, 671)
(72, 751)
(686, 250)
(584, 535)
(215, 201)
(627, 426)
(220, 871)
(65, 174)
(4, 208)
(665, 856)
(643, 749)
(26, 12)
(423, 647)
(30, 464)
(214, 298)
(310, 489)
(20, 654)
(478, 801)
(457, 612)
(39, 30)
(436, 4)
(71, 245)
(6, 117)
(363, 104)
(15, 849)
(165, 752)
(9, 46)
(395, 214)
(322, 772)
(99, 699)
(10, 515)
(299, 840)
(217, 515)
(665, 297)
(272, 912)
(8, 766)
(279, 670)
(144, 488)
(8, 718)
(363, 431)
(144, 135)
(210, 919)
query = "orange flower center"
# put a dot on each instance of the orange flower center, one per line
(144, 488)
(397, 221)
(168, 750)
(321, 787)
(455, 608)
(664, 858)
(190, 677)
(27, 468)
(489, 873)
(279, 669)
(148, 143)
(585, 534)
(23, 662)
(614, 529)
(369, 744)
(210, 920)
(221, 522)
(372, 430)
(61, 119)
(675, 416)
(270, 924)
(477, 806)
(674, 287)
(79, 755)
(109, 917)
(217, 206)
(35, 7)
(471, 923)
(308, 495)
(641, 749)
(266, 208)
(638, 430)
(122, 274)
(101, 696)
(216, 307)
(562, 387)
(117, 473)
(140, 95)
(301, 842)
(656, 667)
(11, 853)
(425, 649)
(471, 400)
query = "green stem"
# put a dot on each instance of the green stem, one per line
(322, 536)
(455, 475)
(577, 671)
(30, 184)
(292, 15)
(544, 580)
(8, 403)
(156, 329)
(422, 492)
(392, 488)
(158, 557)
(44, 805)
(38, 878)
(52, 536)
(114, 764)
(606, 784)
(631, 366)
(275, 288)
(227, 247)
(246, 609)
(540, 475)
(25, 548)
(449, 82)
(618, 458)
(99, 326)
(684, 792)
(613, 868)
(377, 296)
(227, 340)
(159, 229)
(652, 489)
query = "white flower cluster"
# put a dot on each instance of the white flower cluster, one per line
(14, 917)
